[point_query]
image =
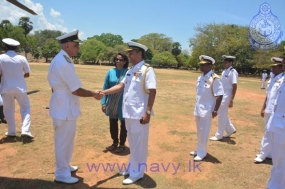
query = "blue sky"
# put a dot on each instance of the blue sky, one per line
(134, 18)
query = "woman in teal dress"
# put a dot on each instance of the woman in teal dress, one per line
(112, 104)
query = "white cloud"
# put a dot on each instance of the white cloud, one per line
(54, 13)
(40, 22)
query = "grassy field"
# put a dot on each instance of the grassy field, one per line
(229, 164)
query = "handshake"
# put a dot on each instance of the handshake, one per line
(98, 94)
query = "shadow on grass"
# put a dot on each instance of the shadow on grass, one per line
(9, 139)
(23, 183)
(266, 161)
(123, 153)
(31, 92)
(228, 140)
(210, 158)
(145, 182)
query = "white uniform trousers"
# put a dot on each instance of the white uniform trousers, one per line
(277, 146)
(265, 142)
(138, 142)
(263, 83)
(203, 130)
(224, 123)
(9, 111)
(64, 134)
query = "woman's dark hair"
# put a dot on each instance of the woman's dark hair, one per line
(125, 59)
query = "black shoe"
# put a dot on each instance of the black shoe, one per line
(3, 121)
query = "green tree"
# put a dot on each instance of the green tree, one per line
(50, 48)
(26, 24)
(109, 39)
(164, 59)
(216, 40)
(176, 50)
(121, 48)
(32, 46)
(156, 42)
(43, 35)
(92, 50)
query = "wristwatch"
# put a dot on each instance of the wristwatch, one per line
(148, 112)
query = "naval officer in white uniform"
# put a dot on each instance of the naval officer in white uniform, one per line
(64, 104)
(139, 87)
(276, 127)
(210, 92)
(263, 79)
(229, 81)
(14, 69)
(269, 105)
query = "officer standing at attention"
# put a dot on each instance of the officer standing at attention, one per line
(139, 94)
(268, 106)
(229, 81)
(14, 69)
(263, 79)
(209, 97)
(276, 127)
(64, 104)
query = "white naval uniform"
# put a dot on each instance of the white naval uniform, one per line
(263, 79)
(207, 89)
(272, 91)
(13, 86)
(276, 127)
(64, 110)
(134, 106)
(229, 77)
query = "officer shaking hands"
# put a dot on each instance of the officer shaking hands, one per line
(64, 104)
(139, 94)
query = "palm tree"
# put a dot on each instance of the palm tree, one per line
(26, 24)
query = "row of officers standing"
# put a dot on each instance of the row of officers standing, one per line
(214, 97)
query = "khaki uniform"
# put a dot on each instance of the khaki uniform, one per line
(64, 110)
(208, 87)
(134, 107)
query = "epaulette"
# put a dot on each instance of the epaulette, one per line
(147, 65)
(232, 69)
(67, 58)
(215, 76)
(144, 70)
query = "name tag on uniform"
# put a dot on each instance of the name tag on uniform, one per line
(128, 74)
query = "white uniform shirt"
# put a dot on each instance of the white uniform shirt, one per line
(63, 80)
(135, 99)
(272, 92)
(264, 76)
(12, 68)
(276, 122)
(207, 89)
(229, 77)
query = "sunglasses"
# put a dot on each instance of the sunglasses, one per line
(120, 60)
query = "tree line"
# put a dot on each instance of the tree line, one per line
(211, 39)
